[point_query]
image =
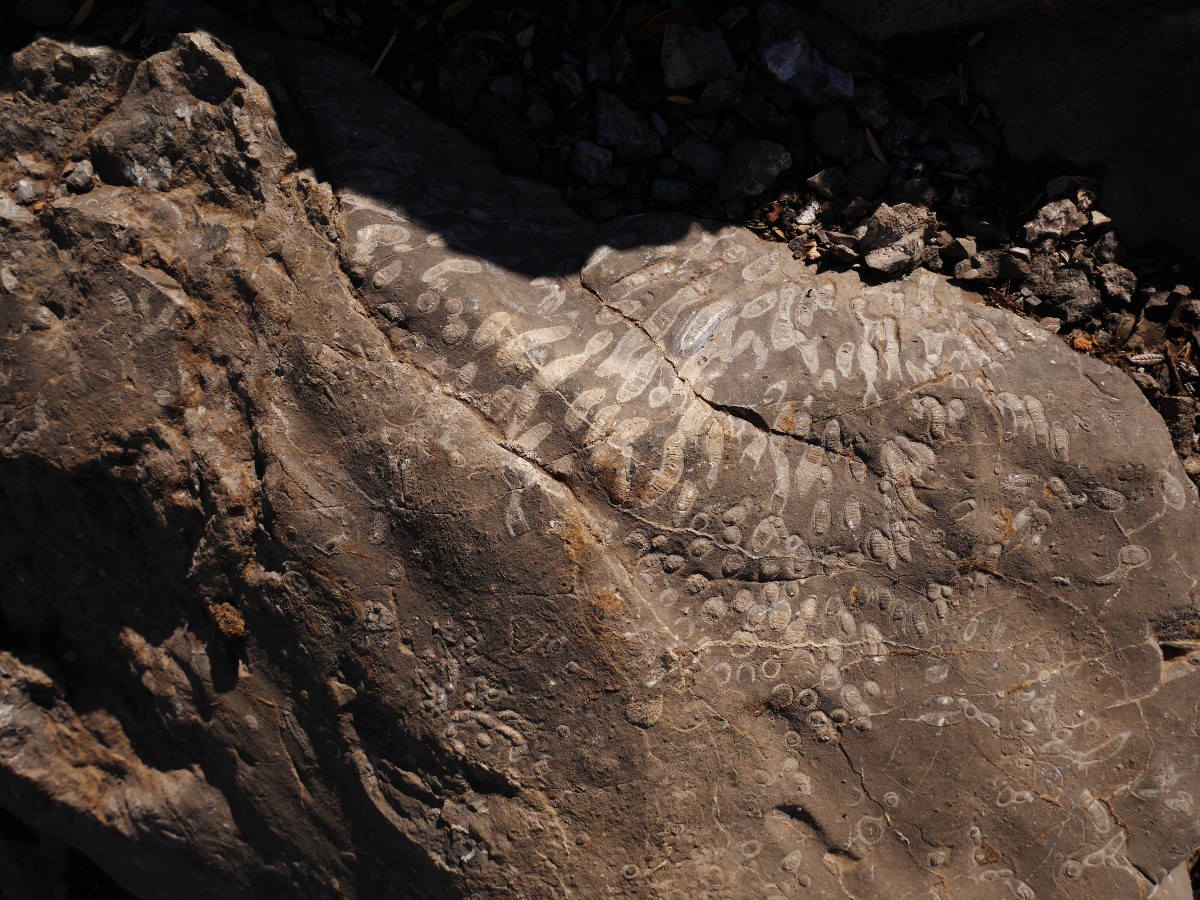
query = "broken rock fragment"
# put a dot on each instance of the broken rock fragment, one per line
(1068, 290)
(81, 178)
(896, 237)
(751, 167)
(1117, 281)
(797, 64)
(1055, 220)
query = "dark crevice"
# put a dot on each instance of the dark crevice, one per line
(804, 817)
(37, 866)
(387, 736)
(128, 569)
(1175, 651)
(237, 384)
(745, 414)
(751, 416)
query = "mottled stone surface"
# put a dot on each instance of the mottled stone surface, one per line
(373, 527)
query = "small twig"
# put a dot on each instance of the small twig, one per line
(1173, 369)
(131, 31)
(611, 15)
(386, 49)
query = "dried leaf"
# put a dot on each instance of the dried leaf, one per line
(658, 25)
(874, 145)
(681, 100)
(84, 12)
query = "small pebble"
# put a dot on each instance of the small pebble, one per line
(719, 96)
(1118, 282)
(958, 250)
(27, 191)
(568, 80)
(732, 16)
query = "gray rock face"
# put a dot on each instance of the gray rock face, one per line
(401, 535)
(1067, 288)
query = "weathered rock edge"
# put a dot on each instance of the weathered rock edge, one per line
(352, 549)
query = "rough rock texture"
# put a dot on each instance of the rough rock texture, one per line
(895, 237)
(373, 527)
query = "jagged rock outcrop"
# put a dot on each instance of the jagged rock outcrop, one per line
(374, 527)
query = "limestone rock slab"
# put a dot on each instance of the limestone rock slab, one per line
(376, 527)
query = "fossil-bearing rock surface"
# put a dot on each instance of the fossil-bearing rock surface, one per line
(373, 527)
